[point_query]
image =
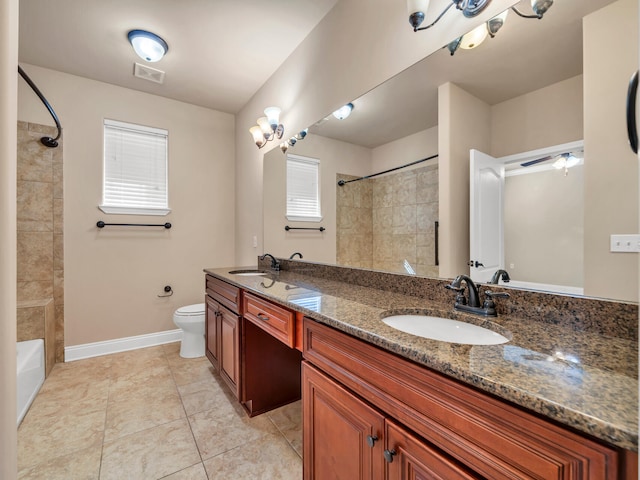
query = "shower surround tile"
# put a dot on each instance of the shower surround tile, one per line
(397, 206)
(39, 209)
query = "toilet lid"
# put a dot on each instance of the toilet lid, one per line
(197, 309)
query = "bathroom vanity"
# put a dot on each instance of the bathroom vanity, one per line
(559, 400)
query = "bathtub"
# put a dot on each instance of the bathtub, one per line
(30, 369)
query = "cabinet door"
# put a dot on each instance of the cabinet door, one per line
(410, 458)
(212, 333)
(342, 434)
(229, 357)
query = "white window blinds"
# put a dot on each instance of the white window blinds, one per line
(303, 189)
(135, 169)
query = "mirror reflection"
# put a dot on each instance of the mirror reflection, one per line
(514, 96)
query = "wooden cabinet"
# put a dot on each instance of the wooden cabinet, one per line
(223, 331)
(468, 431)
(341, 432)
(411, 458)
(274, 319)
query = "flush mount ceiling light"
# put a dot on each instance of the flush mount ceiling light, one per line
(268, 128)
(418, 9)
(147, 45)
(344, 111)
(476, 36)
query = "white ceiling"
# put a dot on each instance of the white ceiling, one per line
(220, 51)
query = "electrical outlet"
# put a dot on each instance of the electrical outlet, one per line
(625, 243)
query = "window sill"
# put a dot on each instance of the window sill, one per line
(293, 218)
(134, 210)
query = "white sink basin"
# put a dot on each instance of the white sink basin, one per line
(248, 273)
(444, 329)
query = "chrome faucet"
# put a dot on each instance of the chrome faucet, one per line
(496, 277)
(294, 254)
(488, 308)
(275, 265)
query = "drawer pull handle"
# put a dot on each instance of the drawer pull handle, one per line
(263, 317)
(389, 454)
(371, 440)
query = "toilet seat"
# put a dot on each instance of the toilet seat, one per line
(190, 310)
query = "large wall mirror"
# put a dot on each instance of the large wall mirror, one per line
(538, 85)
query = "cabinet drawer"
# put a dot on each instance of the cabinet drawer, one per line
(275, 320)
(488, 435)
(226, 294)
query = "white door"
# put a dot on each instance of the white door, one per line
(486, 216)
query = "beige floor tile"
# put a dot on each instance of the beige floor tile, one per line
(83, 396)
(195, 472)
(217, 432)
(138, 386)
(150, 454)
(288, 420)
(191, 370)
(171, 348)
(206, 395)
(268, 458)
(84, 464)
(134, 414)
(43, 438)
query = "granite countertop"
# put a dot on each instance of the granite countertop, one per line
(584, 380)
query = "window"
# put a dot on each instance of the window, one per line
(135, 169)
(303, 189)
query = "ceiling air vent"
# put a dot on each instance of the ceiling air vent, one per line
(148, 73)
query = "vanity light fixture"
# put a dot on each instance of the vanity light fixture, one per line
(344, 111)
(268, 128)
(476, 36)
(418, 9)
(284, 146)
(147, 45)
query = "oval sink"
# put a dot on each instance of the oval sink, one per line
(444, 329)
(248, 273)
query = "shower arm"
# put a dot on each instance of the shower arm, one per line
(47, 141)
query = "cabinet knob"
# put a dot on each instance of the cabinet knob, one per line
(389, 454)
(371, 440)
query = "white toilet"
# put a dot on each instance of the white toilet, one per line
(191, 320)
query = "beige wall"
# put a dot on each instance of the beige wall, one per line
(464, 123)
(549, 116)
(608, 159)
(322, 75)
(113, 275)
(335, 157)
(8, 133)
(408, 149)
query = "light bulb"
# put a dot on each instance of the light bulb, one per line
(273, 116)
(474, 38)
(496, 23)
(264, 124)
(415, 6)
(258, 135)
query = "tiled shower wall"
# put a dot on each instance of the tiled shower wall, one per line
(384, 221)
(40, 260)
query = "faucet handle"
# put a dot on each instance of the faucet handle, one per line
(460, 298)
(491, 294)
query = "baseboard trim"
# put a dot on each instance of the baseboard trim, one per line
(97, 349)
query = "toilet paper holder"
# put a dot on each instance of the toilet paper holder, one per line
(167, 290)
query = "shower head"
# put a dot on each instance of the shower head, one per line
(49, 142)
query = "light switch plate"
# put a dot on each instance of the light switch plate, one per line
(625, 243)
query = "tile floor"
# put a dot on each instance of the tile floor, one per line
(150, 414)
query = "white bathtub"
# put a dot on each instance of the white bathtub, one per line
(30, 367)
